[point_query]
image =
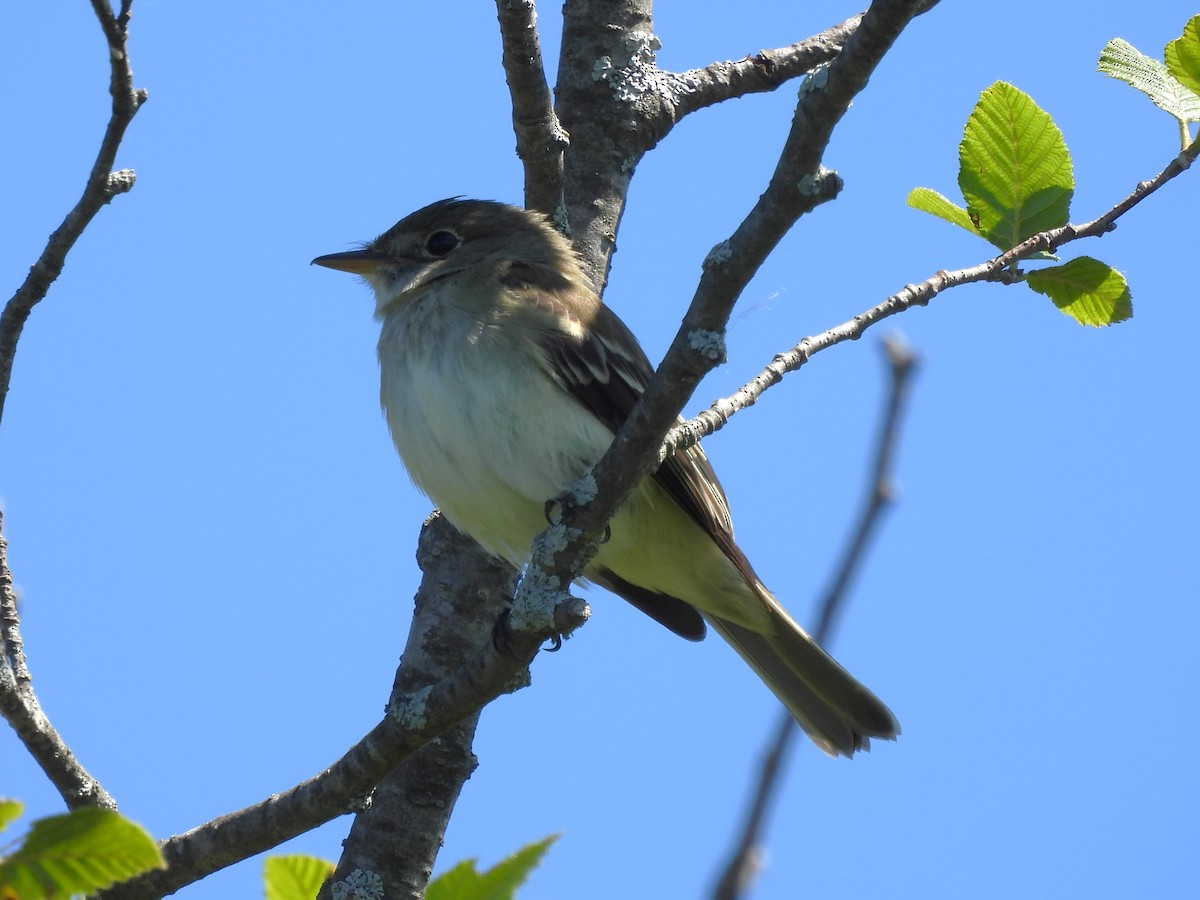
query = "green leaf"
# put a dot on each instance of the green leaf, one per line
(77, 853)
(1183, 56)
(498, 883)
(932, 202)
(295, 877)
(1120, 59)
(1014, 168)
(9, 810)
(1087, 290)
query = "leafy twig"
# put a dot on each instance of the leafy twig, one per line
(998, 268)
(744, 860)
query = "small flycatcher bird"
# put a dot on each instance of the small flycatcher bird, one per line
(504, 378)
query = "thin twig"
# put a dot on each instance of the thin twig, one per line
(998, 268)
(744, 864)
(743, 867)
(102, 185)
(880, 492)
(21, 709)
(541, 139)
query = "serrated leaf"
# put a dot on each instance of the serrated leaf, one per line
(9, 811)
(1120, 59)
(932, 202)
(294, 877)
(458, 883)
(77, 853)
(1014, 168)
(1182, 56)
(500, 882)
(1087, 290)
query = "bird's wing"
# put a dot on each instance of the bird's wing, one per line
(601, 364)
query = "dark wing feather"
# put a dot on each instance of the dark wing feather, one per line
(605, 369)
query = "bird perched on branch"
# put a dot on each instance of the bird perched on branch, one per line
(504, 378)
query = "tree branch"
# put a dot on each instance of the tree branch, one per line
(604, 98)
(397, 836)
(880, 492)
(102, 185)
(617, 104)
(21, 709)
(541, 140)
(998, 268)
(744, 865)
(414, 718)
(763, 72)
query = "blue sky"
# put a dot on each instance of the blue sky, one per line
(214, 540)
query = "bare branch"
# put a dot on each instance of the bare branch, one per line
(21, 709)
(102, 185)
(617, 104)
(606, 96)
(743, 867)
(744, 864)
(998, 268)
(414, 718)
(541, 140)
(763, 72)
(462, 594)
(880, 491)
(16, 671)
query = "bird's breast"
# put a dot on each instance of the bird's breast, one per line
(480, 424)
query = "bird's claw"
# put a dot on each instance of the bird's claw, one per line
(502, 634)
(502, 637)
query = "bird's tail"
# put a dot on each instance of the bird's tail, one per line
(833, 708)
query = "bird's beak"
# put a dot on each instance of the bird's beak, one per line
(357, 262)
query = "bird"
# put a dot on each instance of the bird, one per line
(504, 378)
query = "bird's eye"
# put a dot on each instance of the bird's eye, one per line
(440, 243)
